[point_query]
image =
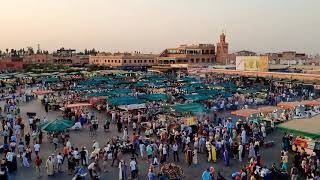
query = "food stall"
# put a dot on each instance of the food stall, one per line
(246, 115)
(307, 132)
(271, 114)
(297, 109)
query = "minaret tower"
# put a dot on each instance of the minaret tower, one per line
(222, 49)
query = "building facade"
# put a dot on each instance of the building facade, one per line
(123, 59)
(38, 59)
(232, 57)
(287, 58)
(69, 56)
(198, 54)
(12, 63)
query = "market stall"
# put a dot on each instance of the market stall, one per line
(306, 130)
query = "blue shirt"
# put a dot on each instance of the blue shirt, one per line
(205, 175)
(152, 176)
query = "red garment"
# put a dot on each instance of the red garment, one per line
(134, 138)
(38, 162)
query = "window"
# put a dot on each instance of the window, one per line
(145, 61)
(192, 60)
(112, 61)
(208, 60)
(197, 60)
(135, 61)
(108, 60)
(203, 60)
(115, 61)
(105, 61)
(129, 61)
(124, 61)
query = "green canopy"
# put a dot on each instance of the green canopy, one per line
(196, 97)
(89, 82)
(217, 87)
(249, 91)
(191, 107)
(120, 91)
(228, 85)
(100, 78)
(50, 80)
(116, 82)
(208, 92)
(153, 97)
(187, 88)
(140, 84)
(189, 79)
(56, 125)
(299, 132)
(226, 94)
(197, 84)
(127, 100)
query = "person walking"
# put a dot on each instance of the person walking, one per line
(59, 162)
(175, 152)
(50, 166)
(38, 163)
(240, 152)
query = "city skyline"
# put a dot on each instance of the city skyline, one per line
(148, 26)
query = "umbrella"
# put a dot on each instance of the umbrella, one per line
(56, 125)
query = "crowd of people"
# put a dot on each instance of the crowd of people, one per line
(215, 136)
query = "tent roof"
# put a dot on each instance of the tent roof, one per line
(127, 100)
(56, 125)
(208, 92)
(305, 127)
(311, 103)
(267, 109)
(120, 91)
(289, 105)
(196, 97)
(153, 97)
(40, 92)
(245, 112)
(51, 79)
(191, 107)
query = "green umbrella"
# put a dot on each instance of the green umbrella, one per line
(56, 125)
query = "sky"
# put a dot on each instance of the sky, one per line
(153, 25)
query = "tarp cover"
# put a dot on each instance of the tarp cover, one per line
(191, 107)
(117, 101)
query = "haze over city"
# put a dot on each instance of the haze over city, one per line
(151, 26)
